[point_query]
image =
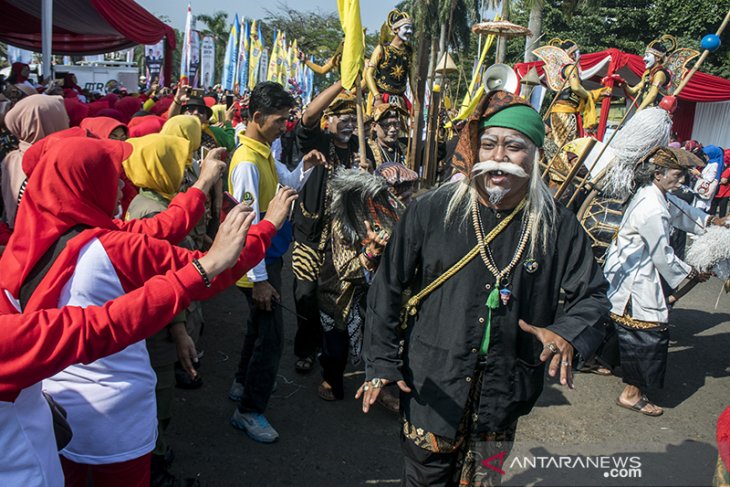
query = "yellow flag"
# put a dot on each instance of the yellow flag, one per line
(353, 52)
(273, 73)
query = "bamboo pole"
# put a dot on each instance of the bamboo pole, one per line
(364, 163)
(574, 170)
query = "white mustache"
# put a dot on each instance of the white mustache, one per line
(504, 167)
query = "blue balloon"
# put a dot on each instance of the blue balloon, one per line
(710, 42)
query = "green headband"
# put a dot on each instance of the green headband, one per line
(521, 118)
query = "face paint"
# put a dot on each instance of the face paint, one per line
(405, 32)
(649, 60)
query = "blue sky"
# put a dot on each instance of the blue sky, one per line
(373, 12)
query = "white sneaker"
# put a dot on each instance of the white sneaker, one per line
(236, 391)
(255, 425)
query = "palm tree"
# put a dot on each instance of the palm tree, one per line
(219, 29)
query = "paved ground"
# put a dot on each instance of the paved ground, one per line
(334, 444)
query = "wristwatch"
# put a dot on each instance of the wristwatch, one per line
(377, 383)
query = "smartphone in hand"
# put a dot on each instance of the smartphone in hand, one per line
(229, 202)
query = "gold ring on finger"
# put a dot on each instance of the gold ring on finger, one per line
(552, 347)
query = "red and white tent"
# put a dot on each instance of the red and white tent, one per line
(703, 111)
(84, 26)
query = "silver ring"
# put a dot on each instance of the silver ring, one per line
(366, 388)
(564, 363)
(552, 347)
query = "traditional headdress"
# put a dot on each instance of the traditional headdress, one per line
(388, 110)
(496, 109)
(662, 46)
(567, 45)
(397, 19)
(673, 158)
(344, 103)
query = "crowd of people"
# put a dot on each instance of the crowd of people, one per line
(121, 213)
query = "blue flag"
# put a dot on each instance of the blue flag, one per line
(231, 56)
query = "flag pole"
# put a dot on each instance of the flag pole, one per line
(364, 164)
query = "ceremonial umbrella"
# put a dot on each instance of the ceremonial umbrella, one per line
(503, 29)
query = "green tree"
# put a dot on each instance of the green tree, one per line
(219, 28)
(689, 22)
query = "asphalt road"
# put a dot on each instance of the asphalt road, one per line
(572, 437)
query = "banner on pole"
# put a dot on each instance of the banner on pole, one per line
(207, 62)
(256, 51)
(186, 48)
(153, 61)
(231, 56)
(194, 72)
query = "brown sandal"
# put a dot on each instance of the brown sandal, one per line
(325, 392)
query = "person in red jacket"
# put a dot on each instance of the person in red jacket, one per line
(722, 197)
(37, 345)
(87, 258)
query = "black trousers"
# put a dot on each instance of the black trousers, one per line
(262, 348)
(309, 328)
(721, 204)
(643, 356)
(425, 468)
(335, 350)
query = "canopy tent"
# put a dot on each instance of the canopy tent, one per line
(699, 100)
(85, 27)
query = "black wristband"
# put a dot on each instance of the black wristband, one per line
(201, 271)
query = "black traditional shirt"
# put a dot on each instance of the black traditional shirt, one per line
(391, 73)
(309, 219)
(442, 342)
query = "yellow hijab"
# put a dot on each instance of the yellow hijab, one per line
(158, 163)
(188, 127)
(219, 113)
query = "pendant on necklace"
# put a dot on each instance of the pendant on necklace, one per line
(504, 295)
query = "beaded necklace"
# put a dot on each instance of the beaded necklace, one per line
(501, 277)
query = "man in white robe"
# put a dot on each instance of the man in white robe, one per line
(637, 261)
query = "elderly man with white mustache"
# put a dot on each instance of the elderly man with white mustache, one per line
(482, 262)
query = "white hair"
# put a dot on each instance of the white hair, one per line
(540, 207)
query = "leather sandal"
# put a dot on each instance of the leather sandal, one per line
(639, 406)
(305, 365)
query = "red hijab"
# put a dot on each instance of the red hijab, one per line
(149, 124)
(110, 113)
(102, 127)
(17, 70)
(35, 152)
(77, 111)
(75, 183)
(128, 106)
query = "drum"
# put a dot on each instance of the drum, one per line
(600, 217)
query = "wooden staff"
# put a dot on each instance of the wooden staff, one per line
(681, 292)
(364, 164)
(574, 170)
